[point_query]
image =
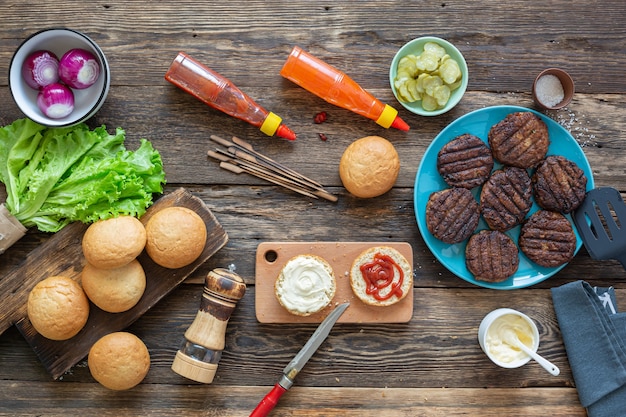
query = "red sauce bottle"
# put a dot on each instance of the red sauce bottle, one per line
(221, 94)
(332, 85)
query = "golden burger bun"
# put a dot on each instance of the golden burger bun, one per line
(376, 265)
(369, 167)
(114, 242)
(114, 290)
(175, 237)
(119, 361)
(58, 308)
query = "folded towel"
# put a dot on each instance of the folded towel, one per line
(594, 334)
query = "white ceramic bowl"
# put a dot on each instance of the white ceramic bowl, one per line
(489, 320)
(416, 47)
(59, 40)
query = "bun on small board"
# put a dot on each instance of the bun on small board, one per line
(381, 276)
(113, 242)
(176, 237)
(114, 290)
(58, 308)
(305, 285)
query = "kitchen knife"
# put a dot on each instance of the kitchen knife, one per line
(297, 363)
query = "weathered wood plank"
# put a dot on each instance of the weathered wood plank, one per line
(87, 400)
(505, 49)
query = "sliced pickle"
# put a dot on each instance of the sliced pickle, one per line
(450, 71)
(429, 103)
(435, 48)
(427, 61)
(442, 95)
(412, 89)
(420, 82)
(430, 83)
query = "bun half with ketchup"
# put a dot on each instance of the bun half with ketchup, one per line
(381, 276)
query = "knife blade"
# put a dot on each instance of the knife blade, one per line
(294, 367)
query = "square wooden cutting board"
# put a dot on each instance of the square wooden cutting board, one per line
(272, 256)
(62, 255)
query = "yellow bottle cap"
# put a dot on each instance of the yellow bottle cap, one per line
(271, 123)
(387, 117)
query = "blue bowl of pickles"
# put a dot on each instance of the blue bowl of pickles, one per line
(428, 76)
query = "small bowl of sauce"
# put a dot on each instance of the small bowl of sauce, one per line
(553, 89)
(491, 336)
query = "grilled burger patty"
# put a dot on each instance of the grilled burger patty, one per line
(491, 256)
(547, 238)
(559, 184)
(521, 139)
(466, 161)
(452, 214)
(506, 198)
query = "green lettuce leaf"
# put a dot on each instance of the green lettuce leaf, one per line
(55, 176)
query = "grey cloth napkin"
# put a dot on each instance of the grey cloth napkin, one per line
(594, 334)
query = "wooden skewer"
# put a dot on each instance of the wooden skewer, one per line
(238, 170)
(248, 151)
(254, 160)
(240, 157)
(243, 144)
(238, 167)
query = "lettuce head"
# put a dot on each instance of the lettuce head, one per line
(55, 176)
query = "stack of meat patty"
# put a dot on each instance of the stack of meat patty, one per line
(520, 144)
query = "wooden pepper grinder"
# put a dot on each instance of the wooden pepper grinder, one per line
(201, 351)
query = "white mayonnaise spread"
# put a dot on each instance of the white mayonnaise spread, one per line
(501, 350)
(305, 285)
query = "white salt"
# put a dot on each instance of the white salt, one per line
(549, 90)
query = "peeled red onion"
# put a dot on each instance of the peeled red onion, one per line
(40, 69)
(79, 68)
(55, 100)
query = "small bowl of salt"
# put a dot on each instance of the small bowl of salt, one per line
(553, 89)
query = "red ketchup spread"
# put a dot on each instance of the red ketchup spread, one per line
(379, 274)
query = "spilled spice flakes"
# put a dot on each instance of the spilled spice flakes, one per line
(320, 117)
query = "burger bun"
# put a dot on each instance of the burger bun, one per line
(119, 361)
(176, 237)
(114, 242)
(58, 308)
(369, 167)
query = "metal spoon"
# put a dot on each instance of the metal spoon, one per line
(511, 339)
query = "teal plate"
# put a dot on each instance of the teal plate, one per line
(428, 181)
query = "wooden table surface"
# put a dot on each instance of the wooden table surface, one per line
(432, 365)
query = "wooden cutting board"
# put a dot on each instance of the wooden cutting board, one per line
(62, 255)
(272, 256)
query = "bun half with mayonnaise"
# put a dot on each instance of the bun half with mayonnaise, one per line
(305, 285)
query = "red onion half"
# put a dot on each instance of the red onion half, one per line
(79, 68)
(40, 69)
(56, 101)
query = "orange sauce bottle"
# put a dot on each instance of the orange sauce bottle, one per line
(221, 94)
(332, 85)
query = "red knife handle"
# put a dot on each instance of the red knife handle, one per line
(268, 402)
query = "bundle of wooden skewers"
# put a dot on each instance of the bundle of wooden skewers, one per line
(240, 156)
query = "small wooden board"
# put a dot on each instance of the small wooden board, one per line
(272, 256)
(62, 255)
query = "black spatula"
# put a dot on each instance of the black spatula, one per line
(601, 223)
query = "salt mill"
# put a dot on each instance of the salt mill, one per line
(202, 348)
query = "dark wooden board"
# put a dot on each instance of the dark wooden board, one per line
(62, 255)
(340, 256)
